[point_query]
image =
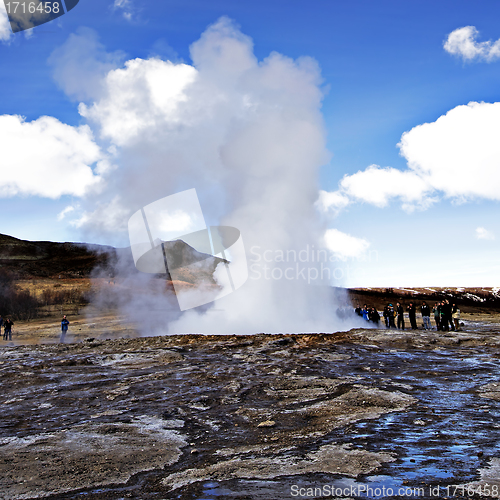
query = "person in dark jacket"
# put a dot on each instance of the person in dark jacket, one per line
(412, 312)
(426, 315)
(64, 328)
(436, 312)
(385, 314)
(7, 333)
(391, 316)
(449, 313)
(374, 316)
(443, 322)
(401, 316)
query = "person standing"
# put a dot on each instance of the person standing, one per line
(455, 314)
(64, 328)
(401, 316)
(426, 315)
(443, 321)
(391, 316)
(385, 314)
(449, 319)
(374, 316)
(435, 310)
(1, 322)
(364, 313)
(412, 311)
(7, 333)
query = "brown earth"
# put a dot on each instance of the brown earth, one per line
(177, 416)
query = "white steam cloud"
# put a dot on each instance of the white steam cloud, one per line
(248, 135)
(81, 63)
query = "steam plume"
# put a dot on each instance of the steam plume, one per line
(249, 136)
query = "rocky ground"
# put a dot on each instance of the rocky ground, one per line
(249, 417)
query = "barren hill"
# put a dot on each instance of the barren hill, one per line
(47, 259)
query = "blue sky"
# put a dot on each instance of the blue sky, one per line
(384, 72)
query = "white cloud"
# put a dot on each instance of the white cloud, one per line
(462, 43)
(457, 156)
(81, 63)
(46, 158)
(126, 7)
(106, 217)
(343, 245)
(333, 201)
(484, 234)
(144, 96)
(5, 31)
(65, 212)
(377, 185)
(459, 153)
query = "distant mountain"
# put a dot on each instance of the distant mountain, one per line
(47, 259)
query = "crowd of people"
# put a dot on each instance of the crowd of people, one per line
(446, 315)
(369, 314)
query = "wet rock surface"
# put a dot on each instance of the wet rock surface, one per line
(198, 417)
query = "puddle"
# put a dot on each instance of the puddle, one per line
(457, 435)
(421, 417)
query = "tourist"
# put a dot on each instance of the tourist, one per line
(455, 314)
(426, 315)
(443, 321)
(391, 316)
(8, 324)
(374, 316)
(364, 313)
(401, 316)
(436, 312)
(448, 315)
(64, 329)
(412, 311)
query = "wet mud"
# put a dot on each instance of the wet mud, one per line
(253, 417)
